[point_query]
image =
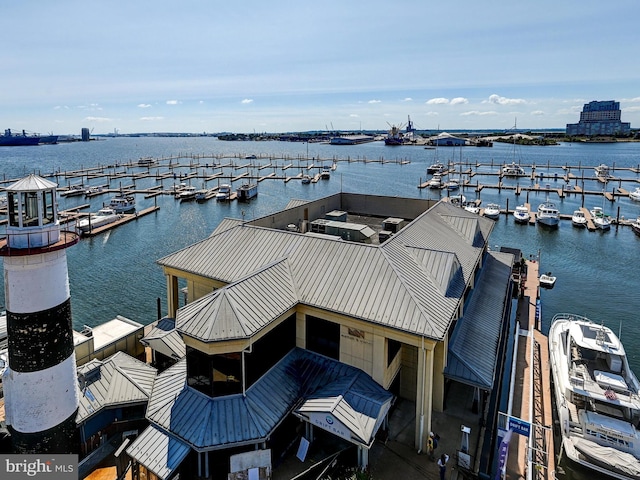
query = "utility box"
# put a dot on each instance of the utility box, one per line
(393, 225)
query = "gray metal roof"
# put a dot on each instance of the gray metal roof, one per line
(211, 423)
(158, 451)
(165, 339)
(413, 282)
(119, 380)
(474, 343)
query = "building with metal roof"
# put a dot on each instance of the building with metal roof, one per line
(401, 314)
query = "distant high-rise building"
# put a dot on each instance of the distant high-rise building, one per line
(86, 135)
(599, 118)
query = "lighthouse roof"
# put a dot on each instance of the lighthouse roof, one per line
(31, 183)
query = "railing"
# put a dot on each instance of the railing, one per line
(38, 241)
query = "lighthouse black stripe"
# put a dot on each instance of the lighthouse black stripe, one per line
(40, 340)
(63, 438)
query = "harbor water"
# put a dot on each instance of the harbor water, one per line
(115, 273)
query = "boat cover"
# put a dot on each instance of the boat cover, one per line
(609, 457)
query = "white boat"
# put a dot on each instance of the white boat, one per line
(513, 170)
(325, 174)
(602, 171)
(600, 220)
(146, 162)
(224, 193)
(123, 203)
(436, 168)
(521, 214)
(548, 213)
(73, 191)
(93, 191)
(472, 207)
(3, 202)
(578, 219)
(635, 195)
(492, 211)
(306, 179)
(547, 280)
(247, 191)
(187, 193)
(458, 200)
(452, 184)
(635, 226)
(104, 216)
(436, 181)
(597, 397)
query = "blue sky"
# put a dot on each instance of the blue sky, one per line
(204, 66)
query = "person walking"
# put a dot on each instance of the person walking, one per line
(442, 465)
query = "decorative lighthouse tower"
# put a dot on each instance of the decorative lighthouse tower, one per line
(40, 384)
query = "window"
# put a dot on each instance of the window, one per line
(48, 214)
(30, 209)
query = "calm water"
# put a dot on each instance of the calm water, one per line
(116, 273)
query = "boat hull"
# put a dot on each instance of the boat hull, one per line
(582, 431)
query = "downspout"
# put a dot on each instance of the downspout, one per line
(424, 367)
(244, 389)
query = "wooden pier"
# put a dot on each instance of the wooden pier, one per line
(126, 218)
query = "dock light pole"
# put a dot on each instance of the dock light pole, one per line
(40, 383)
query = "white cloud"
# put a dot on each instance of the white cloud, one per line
(172, 102)
(477, 113)
(247, 100)
(98, 119)
(408, 99)
(631, 100)
(631, 109)
(433, 114)
(459, 101)
(144, 105)
(437, 101)
(374, 101)
(497, 99)
(537, 112)
(150, 119)
(58, 107)
(354, 115)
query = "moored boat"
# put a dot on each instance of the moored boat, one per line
(600, 219)
(436, 168)
(635, 194)
(635, 226)
(187, 193)
(325, 174)
(247, 191)
(578, 219)
(513, 170)
(224, 193)
(547, 280)
(9, 139)
(521, 214)
(602, 171)
(104, 216)
(435, 181)
(548, 213)
(492, 211)
(597, 397)
(123, 203)
(306, 179)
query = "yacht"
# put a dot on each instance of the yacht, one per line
(597, 397)
(102, 217)
(436, 168)
(635, 226)
(492, 211)
(578, 219)
(452, 184)
(123, 203)
(436, 181)
(224, 193)
(635, 195)
(513, 170)
(602, 171)
(472, 207)
(548, 213)
(600, 220)
(187, 193)
(521, 214)
(247, 191)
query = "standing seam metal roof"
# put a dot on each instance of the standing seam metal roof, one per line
(397, 284)
(209, 423)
